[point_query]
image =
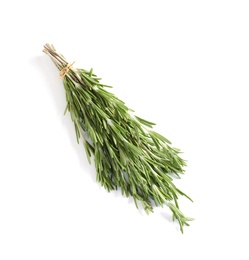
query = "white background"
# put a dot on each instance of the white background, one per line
(181, 64)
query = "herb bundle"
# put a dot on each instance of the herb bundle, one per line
(128, 154)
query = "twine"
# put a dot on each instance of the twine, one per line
(64, 71)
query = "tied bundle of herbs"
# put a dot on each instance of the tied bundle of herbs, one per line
(128, 154)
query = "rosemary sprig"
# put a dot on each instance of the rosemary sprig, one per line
(128, 154)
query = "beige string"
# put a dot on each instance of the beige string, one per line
(66, 69)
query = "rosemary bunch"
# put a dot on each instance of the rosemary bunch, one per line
(128, 154)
